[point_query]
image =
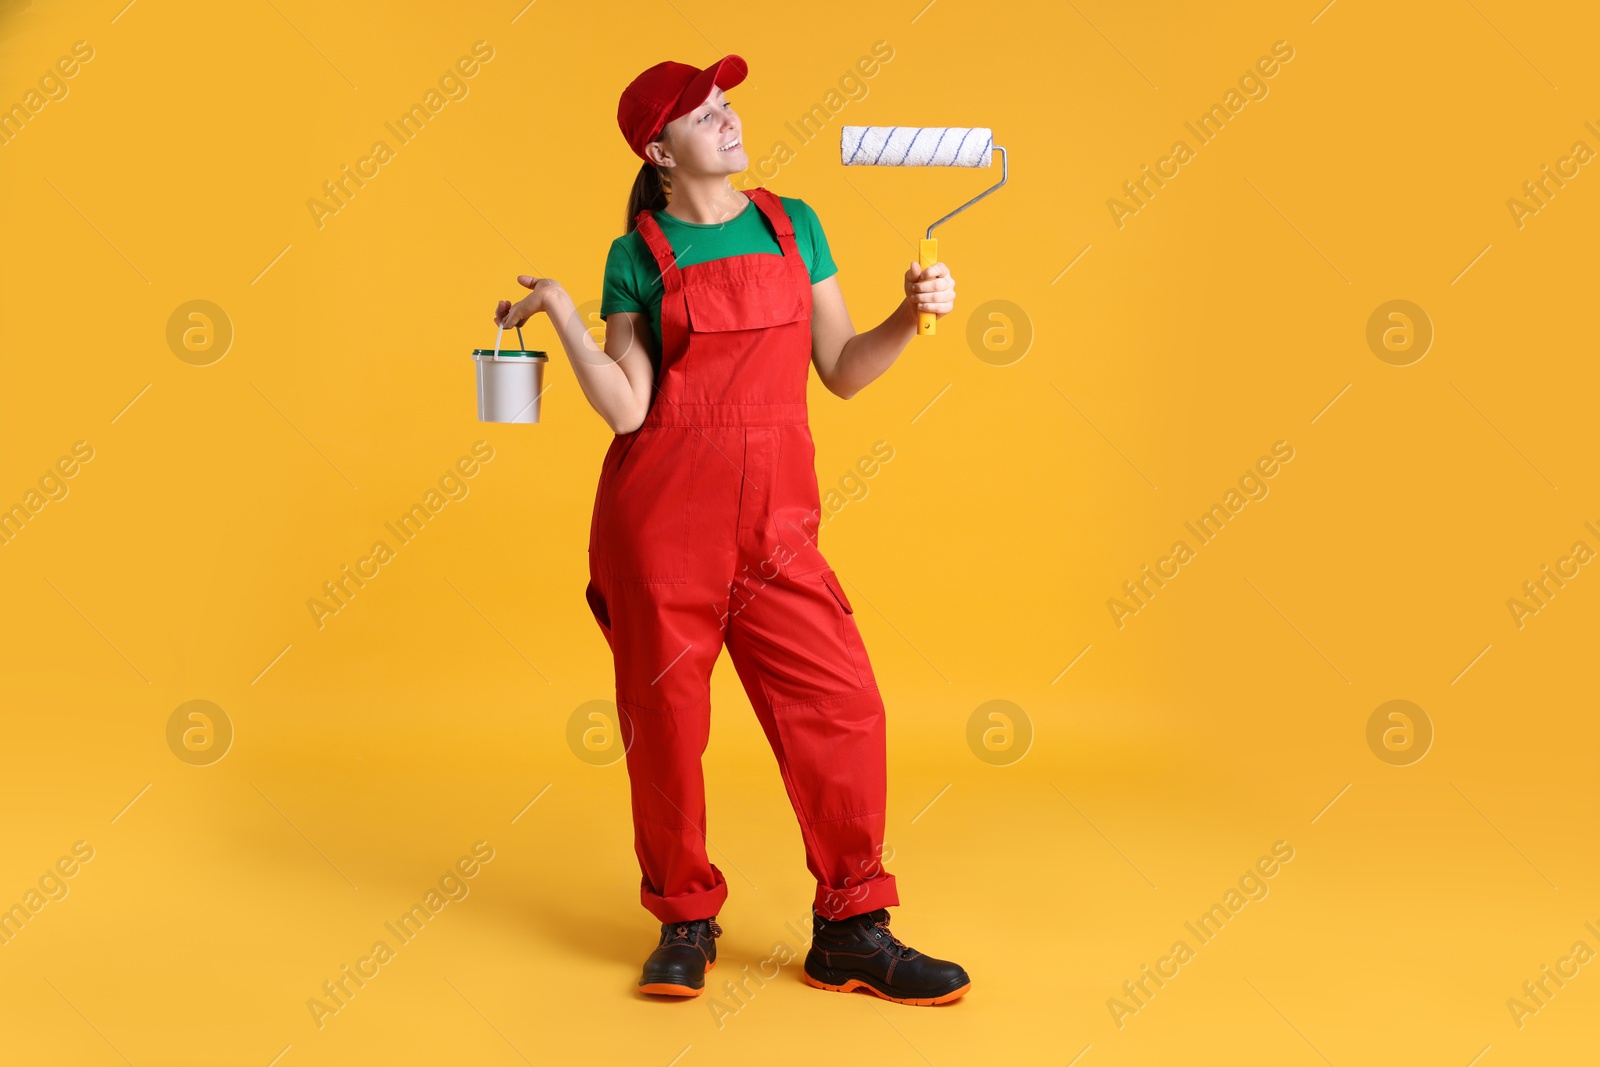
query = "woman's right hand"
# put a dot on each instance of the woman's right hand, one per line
(508, 315)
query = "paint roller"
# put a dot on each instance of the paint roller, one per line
(923, 146)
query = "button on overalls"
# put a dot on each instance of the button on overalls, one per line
(704, 533)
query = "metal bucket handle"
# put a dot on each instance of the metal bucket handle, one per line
(521, 344)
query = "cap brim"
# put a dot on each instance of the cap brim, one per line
(727, 72)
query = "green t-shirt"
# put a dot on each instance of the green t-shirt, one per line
(633, 281)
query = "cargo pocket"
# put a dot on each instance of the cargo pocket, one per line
(849, 633)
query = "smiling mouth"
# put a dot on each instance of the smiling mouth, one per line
(730, 146)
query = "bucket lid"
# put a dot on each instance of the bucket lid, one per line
(508, 353)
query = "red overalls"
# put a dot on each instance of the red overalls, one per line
(704, 532)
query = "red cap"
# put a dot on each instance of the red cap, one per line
(668, 91)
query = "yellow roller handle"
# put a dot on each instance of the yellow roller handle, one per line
(927, 257)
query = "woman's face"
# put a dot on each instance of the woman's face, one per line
(709, 139)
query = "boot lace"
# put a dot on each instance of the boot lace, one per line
(681, 931)
(880, 930)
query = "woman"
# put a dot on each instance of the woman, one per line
(705, 527)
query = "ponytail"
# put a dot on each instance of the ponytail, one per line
(652, 186)
(650, 190)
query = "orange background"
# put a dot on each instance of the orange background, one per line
(1141, 771)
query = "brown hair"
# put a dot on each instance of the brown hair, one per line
(651, 187)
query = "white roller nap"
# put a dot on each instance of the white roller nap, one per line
(916, 146)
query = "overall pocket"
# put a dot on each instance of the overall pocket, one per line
(597, 607)
(615, 454)
(641, 529)
(849, 633)
(750, 303)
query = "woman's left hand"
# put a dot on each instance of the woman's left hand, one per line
(931, 290)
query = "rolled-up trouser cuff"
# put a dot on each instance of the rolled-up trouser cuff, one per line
(856, 899)
(704, 904)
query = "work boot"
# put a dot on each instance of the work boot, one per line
(859, 952)
(679, 964)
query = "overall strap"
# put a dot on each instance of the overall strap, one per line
(666, 259)
(782, 225)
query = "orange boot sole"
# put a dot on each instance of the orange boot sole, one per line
(673, 989)
(853, 984)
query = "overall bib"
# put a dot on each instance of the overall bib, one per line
(705, 533)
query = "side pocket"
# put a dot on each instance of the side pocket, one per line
(613, 457)
(642, 534)
(597, 607)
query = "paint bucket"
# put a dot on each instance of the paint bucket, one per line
(510, 381)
